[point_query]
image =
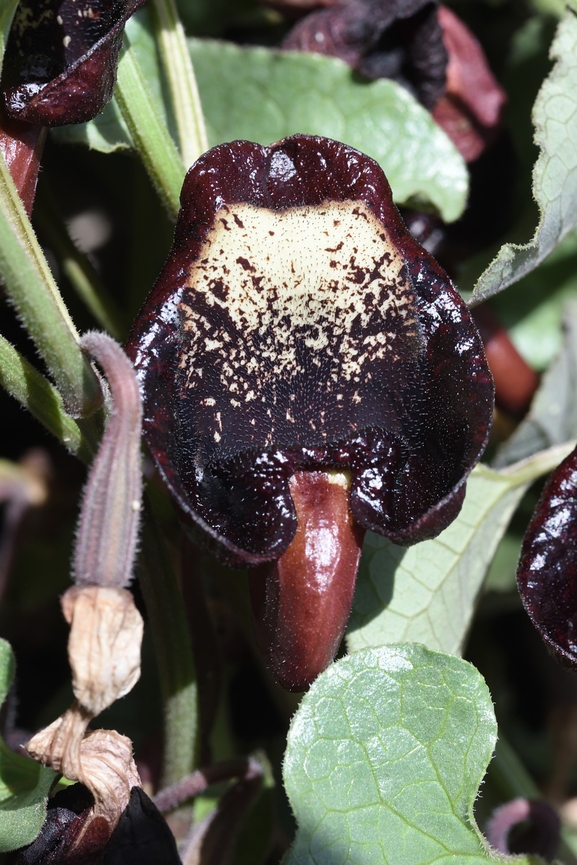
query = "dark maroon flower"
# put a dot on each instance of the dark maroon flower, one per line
(61, 59)
(71, 836)
(398, 39)
(525, 826)
(300, 342)
(547, 573)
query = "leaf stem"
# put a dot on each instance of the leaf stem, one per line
(181, 80)
(149, 133)
(541, 463)
(39, 304)
(177, 674)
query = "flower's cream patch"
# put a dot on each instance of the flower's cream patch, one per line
(306, 296)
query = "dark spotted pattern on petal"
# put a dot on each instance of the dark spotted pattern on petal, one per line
(298, 325)
(547, 574)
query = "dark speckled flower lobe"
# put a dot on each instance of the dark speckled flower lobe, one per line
(308, 373)
(298, 325)
(61, 59)
(547, 573)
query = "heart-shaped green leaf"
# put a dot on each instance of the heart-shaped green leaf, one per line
(384, 760)
(264, 95)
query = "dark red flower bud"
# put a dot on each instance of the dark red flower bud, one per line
(471, 109)
(515, 381)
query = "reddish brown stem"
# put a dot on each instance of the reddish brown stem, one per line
(21, 145)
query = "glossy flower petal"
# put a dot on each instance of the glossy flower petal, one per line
(547, 573)
(296, 326)
(61, 59)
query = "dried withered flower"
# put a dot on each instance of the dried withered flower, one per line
(61, 58)
(106, 628)
(104, 644)
(303, 361)
(547, 573)
(398, 39)
(101, 760)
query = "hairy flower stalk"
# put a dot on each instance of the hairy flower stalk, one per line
(110, 516)
(106, 628)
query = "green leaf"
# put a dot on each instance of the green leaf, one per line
(552, 418)
(427, 592)
(24, 784)
(384, 760)
(532, 311)
(264, 95)
(555, 172)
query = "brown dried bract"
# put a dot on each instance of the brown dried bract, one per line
(101, 760)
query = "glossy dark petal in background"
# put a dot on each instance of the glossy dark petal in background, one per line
(61, 59)
(547, 574)
(398, 39)
(249, 375)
